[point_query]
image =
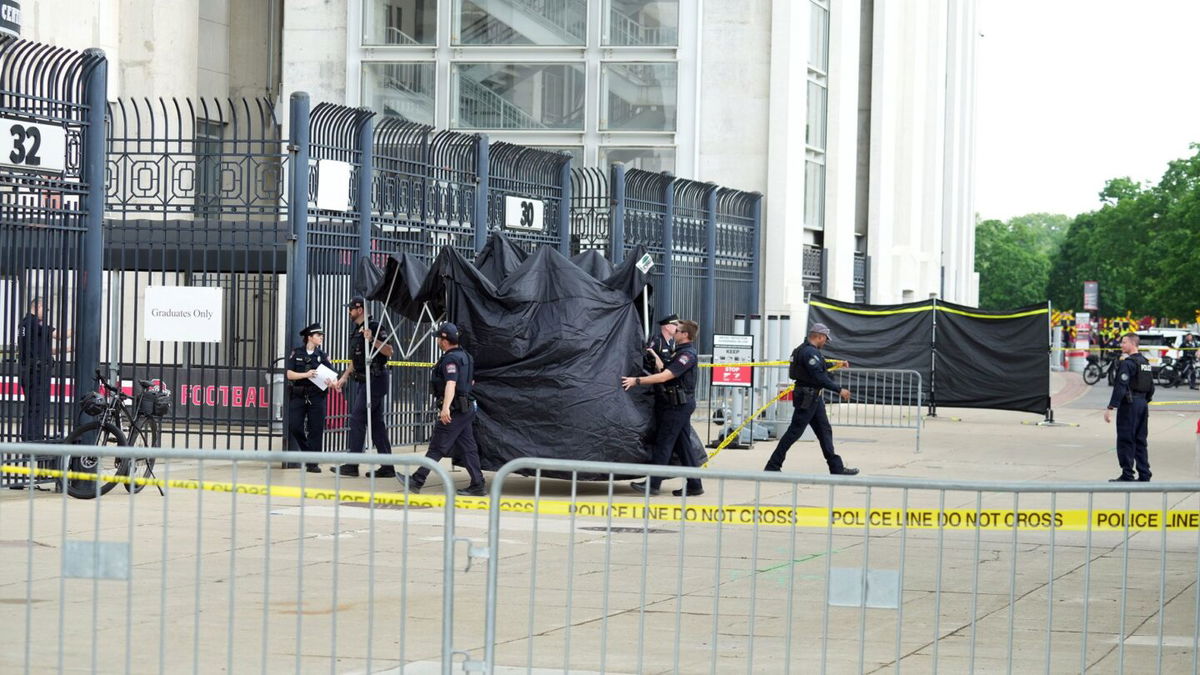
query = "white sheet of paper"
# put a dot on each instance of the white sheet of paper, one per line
(324, 373)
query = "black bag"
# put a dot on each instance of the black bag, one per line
(795, 368)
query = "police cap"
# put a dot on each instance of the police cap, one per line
(670, 318)
(356, 301)
(448, 331)
(312, 329)
(820, 328)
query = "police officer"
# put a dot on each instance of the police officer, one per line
(661, 345)
(451, 383)
(673, 408)
(306, 401)
(810, 372)
(1188, 355)
(1132, 390)
(357, 375)
(35, 359)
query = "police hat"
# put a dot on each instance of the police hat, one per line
(449, 331)
(311, 329)
(820, 328)
(670, 318)
(356, 301)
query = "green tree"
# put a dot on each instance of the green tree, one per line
(1013, 261)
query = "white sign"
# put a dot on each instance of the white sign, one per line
(183, 313)
(524, 213)
(333, 185)
(33, 146)
(733, 349)
(645, 263)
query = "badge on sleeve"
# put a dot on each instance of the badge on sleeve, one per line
(812, 361)
(451, 369)
(684, 359)
(1124, 377)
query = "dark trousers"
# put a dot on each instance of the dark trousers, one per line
(1133, 418)
(671, 436)
(35, 384)
(456, 439)
(815, 416)
(306, 421)
(358, 416)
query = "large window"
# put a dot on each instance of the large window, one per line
(404, 89)
(814, 195)
(518, 96)
(520, 22)
(640, 23)
(654, 159)
(399, 22)
(601, 77)
(638, 96)
(814, 132)
(816, 124)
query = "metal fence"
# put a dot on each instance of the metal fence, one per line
(52, 109)
(880, 399)
(235, 566)
(779, 572)
(239, 566)
(161, 193)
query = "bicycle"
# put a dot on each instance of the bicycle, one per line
(1096, 369)
(116, 425)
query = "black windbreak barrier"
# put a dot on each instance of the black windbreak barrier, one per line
(989, 359)
(551, 343)
(971, 358)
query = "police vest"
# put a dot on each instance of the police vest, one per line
(798, 371)
(460, 359)
(1143, 379)
(300, 361)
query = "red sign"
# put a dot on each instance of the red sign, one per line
(733, 375)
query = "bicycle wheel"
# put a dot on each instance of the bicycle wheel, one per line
(1168, 376)
(1091, 373)
(98, 435)
(144, 434)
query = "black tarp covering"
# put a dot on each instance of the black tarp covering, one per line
(973, 359)
(551, 343)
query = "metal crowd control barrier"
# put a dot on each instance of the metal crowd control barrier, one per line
(235, 565)
(868, 575)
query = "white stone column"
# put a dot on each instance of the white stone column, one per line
(841, 157)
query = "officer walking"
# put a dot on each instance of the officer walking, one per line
(1133, 388)
(673, 409)
(451, 382)
(809, 371)
(356, 375)
(306, 401)
(35, 359)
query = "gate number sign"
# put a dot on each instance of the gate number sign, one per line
(733, 349)
(524, 213)
(33, 146)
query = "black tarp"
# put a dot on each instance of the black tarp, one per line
(969, 358)
(551, 343)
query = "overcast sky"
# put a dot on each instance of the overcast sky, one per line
(1074, 92)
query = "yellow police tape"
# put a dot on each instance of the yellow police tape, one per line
(396, 364)
(801, 516)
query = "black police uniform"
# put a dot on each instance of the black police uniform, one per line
(663, 347)
(358, 398)
(673, 410)
(1188, 355)
(1133, 388)
(809, 409)
(35, 361)
(306, 402)
(456, 439)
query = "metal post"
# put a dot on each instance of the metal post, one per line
(299, 120)
(564, 209)
(617, 234)
(933, 363)
(366, 171)
(708, 300)
(90, 324)
(666, 300)
(482, 192)
(755, 262)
